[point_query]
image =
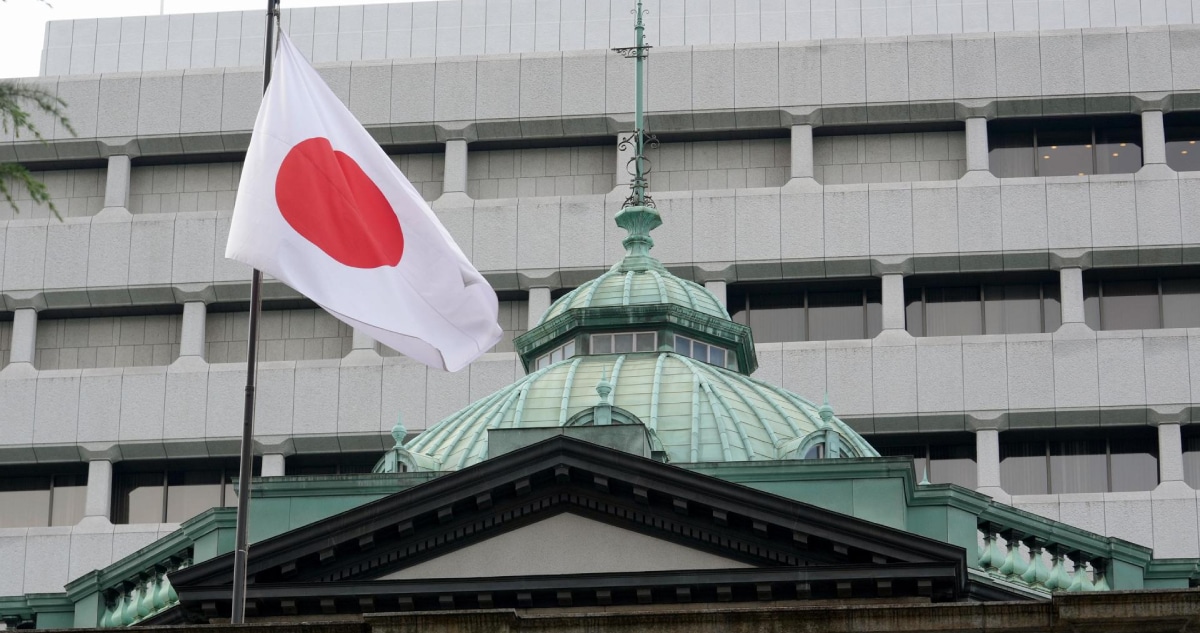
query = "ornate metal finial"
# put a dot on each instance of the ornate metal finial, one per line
(604, 388)
(398, 431)
(638, 216)
(826, 411)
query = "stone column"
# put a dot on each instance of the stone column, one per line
(893, 301)
(1070, 281)
(273, 465)
(802, 151)
(718, 288)
(539, 302)
(987, 463)
(24, 336)
(116, 184)
(977, 144)
(456, 167)
(1154, 144)
(192, 330)
(98, 500)
(1170, 453)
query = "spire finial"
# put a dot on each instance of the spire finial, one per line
(398, 431)
(638, 216)
(826, 411)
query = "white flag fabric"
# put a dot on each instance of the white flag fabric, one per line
(322, 208)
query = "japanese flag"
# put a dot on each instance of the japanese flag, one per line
(323, 209)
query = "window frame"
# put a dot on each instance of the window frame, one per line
(996, 129)
(862, 287)
(228, 468)
(983, 300)
(1047, 455)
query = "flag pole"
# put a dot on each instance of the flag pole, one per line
(246, 461)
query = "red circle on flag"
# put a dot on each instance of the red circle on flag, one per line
(327, 198)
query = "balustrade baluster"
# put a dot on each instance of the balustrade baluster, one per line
(1014, 565)
(1036, 573)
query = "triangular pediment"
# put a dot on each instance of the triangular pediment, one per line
(566, 520)
(565, 543)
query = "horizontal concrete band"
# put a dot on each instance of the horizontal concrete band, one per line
(475, 27)
(700, 87)
(799, 230)
(890, 384)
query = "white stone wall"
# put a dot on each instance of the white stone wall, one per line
(87, 343)
(283, 335)
(558, 171)
(74, 192)
(871, 158)
(475, 27)
(720, 164)
(424, 171)
(183, 188)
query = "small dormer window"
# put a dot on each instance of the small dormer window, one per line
(704, 352)
(624, 343)
(562, 352)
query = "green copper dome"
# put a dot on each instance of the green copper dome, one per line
(652, 285)
(695, 411)
(639, 348)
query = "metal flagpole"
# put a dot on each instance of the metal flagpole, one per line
(246, 463)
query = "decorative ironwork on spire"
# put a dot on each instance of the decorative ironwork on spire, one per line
(639, 215)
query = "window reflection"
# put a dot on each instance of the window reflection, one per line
(948, 459)
(1182, 132)
(1064, 147)
(822, 312)
(172, 492)
(1141, 300)
(37, 496)
(1126, 461)
(935, 309)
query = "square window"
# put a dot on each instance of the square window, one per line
(700, 351)
(623, 343)
(683, 346)
(601, 343)
(645, 342)
(569, 350)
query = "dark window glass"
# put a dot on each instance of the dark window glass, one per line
(1134, 463)
(1129, 305)
(1181, 302)
(953, 464)
(1091, 305)
(1051, 308)
(25, 501)
(786, 312)
(69, 496)
(1023, 468)
(1191, 458)
(1011, 153)
(1013, 309)
(953, 311)
(172, 492)
(1065, 147)
(623, 343)
(1118, 150)
(326, 464)
(914, 311)
(1078, 466)
(1064, 152)
(835, 315)
(190, 492)
(1182, 154)
(776, 318)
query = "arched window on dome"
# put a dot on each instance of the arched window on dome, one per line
(816, 451)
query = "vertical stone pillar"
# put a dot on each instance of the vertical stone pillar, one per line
(456, 166)
(116, 183)
(273, 465)
(718, 288)
(192, 330)
(1070, 281)
(24, 336)
(1154, 142)
(539, 302)
(624, 155)
(977, 144)
(98, 499)
(362, 341)
(893, 301)
(1170, 453)
(802, 151)
(987, 458)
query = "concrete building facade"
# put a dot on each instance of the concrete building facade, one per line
(902, 153)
